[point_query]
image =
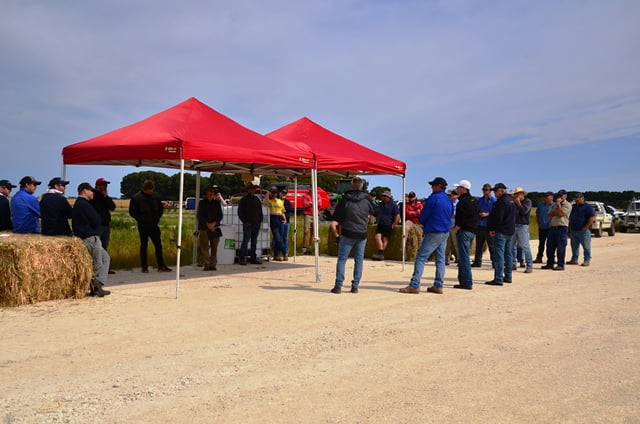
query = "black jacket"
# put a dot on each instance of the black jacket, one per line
(56, 212)
(352, 213)
(209, 211)
(502, 218)
(85, 220)
(146, 209)
(467, 213)
(250, 209)
(5, 214)
(103, 205)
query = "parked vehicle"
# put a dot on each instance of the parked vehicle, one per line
(296, 197)
(603, 221)
(631, 218)
(190, 203)
(617, 214)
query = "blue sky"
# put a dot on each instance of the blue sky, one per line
(539, 94)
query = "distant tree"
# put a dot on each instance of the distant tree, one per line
(380, 189)
(229, 184)
(132, 183)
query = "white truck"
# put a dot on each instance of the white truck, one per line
(603, 221)
(631, 218)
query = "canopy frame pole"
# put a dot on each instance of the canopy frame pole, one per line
(295, 217)
(404, 221)
(179, 241)
(316, 234)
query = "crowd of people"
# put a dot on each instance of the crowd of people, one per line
(451, 220)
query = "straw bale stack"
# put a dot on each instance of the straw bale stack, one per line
(35, 268)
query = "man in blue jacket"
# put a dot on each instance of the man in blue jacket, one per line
(25, 209)
(436, 220)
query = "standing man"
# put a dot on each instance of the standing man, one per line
(55, 209)
(580, 220)
(388, 217)
(5, 209)
(544, 223)
(286, 225)
(25, 208)
(502, 226)
(436, 221)
(209, 233)
(104, 205)
(146, 208)
(467, 216)
(485, 203)
(412, 208)
(521, 236)
(250, 214)
(558, 233)
(451, 251)
(86, 225)
(350, 228)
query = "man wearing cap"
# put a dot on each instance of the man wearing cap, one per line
(55, 209)
(388, 216)
(86, 225)
(146, 208)
(502, 227)
(521, 236)
(209, 233)
(250, 214)
(466, 223)
(451, 251)
(544, 223)
(5, 209)
(558, 231)
(485, 203)
(436, 220)
(276, 219)
(104, 205)
(580, 220)
(412, 208)
(25, 208)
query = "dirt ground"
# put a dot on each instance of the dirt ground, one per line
(266, 344)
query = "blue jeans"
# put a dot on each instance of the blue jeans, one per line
(345, 246)
(276, 242)
(542, 241)
(464, 239)
(504, 257)
(431, 243)
(581, 238)
(557, 244)
(249, 232)
(521, 242)
(284, 237)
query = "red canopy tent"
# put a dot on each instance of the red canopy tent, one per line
(335, 154)
(191, 136)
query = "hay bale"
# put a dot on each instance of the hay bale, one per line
(35, 268)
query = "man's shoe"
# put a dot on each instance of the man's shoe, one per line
(460, 286)
(506, 281)
(537, 261)
(206, 268)
(354, 290)
(256, 261)
(242, 262)
(558, 268)
(546, 267)
(336, 290)
(522, 264)
(410, 290)
(111, 272)
(494, 283)
(164, 269)
(434, 290)
(476, 265)
(377, 257)
(586, 263)
(286, 257)
(572, 262)
(145, 270)
(277, 258)
(514, 266)
(528, 270)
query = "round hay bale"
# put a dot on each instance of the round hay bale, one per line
(36, 268)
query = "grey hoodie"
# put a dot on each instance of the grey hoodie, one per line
(352, 213)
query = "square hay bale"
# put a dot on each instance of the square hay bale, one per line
(36, 268)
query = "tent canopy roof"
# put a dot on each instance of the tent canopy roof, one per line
(336, 154)
(204, 138)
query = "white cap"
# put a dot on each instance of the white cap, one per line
(463, 183)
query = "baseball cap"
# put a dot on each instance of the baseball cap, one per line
(562, 192)
(29, 180)
(578, 196)
(486, 186)
(84, 186)
(250, 185)
(463, 183)
(100, 181)
(499, 186)
(386, 193)
(549, 193)
(7, 184)
(57, 181)
(439, 181)
(411, 194)
(273, 189)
